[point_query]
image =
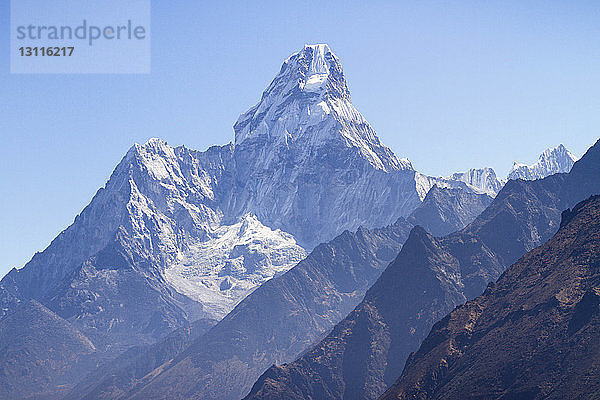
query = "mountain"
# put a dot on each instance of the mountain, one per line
(551, 161)
(356, 359)
(177, 235)
(533, 334)
(41, 354)
(358, 253)
(445, 210)
(278, 320)
(367, 350)
(303, 126)
(482, 179)
(309, 102)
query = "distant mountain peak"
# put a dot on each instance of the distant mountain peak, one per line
(553, 160)
(151, 144)
(484, 180)
(556, 151)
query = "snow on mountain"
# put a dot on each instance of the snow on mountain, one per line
(178, 234)
(424, 184)
(309, 102)
(222, 270)
(485, 180)
(551, 161)
(309, 163)
(481, 179)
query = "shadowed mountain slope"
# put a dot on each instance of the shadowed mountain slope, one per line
(532, 335)
(352, 262)
(366, 352)
(278, 320)
(445, 210)
(41, 354)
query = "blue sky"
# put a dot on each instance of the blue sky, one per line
(450, 85)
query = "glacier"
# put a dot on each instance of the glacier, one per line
(221, 271)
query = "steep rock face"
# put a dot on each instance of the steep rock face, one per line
(279, 319)
(551, 161)
(534, 334)
(304, 163)
(483, 179)
(304, 167)
(523, 215)
(41, 354)
(309, 102)
(303, 125)
(446, 210)
(364, 352)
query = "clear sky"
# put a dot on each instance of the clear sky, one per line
(450, 85)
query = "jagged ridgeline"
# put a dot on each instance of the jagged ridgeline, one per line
(366, 352)
(532, 335)
(192, 233)
(282, 317)
(177, 239)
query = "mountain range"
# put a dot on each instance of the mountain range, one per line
(304, 166)
(532, 335)
(191, 272)
(484, 180)
(366, 352)
(284, 316)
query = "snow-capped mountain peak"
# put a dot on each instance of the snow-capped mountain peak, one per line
(324, 75)
(481, 179)
(158, 159)
(484, 180)
(551, 161)
(314, 69)
(318, 64)
(190, 233)
(308, 106)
